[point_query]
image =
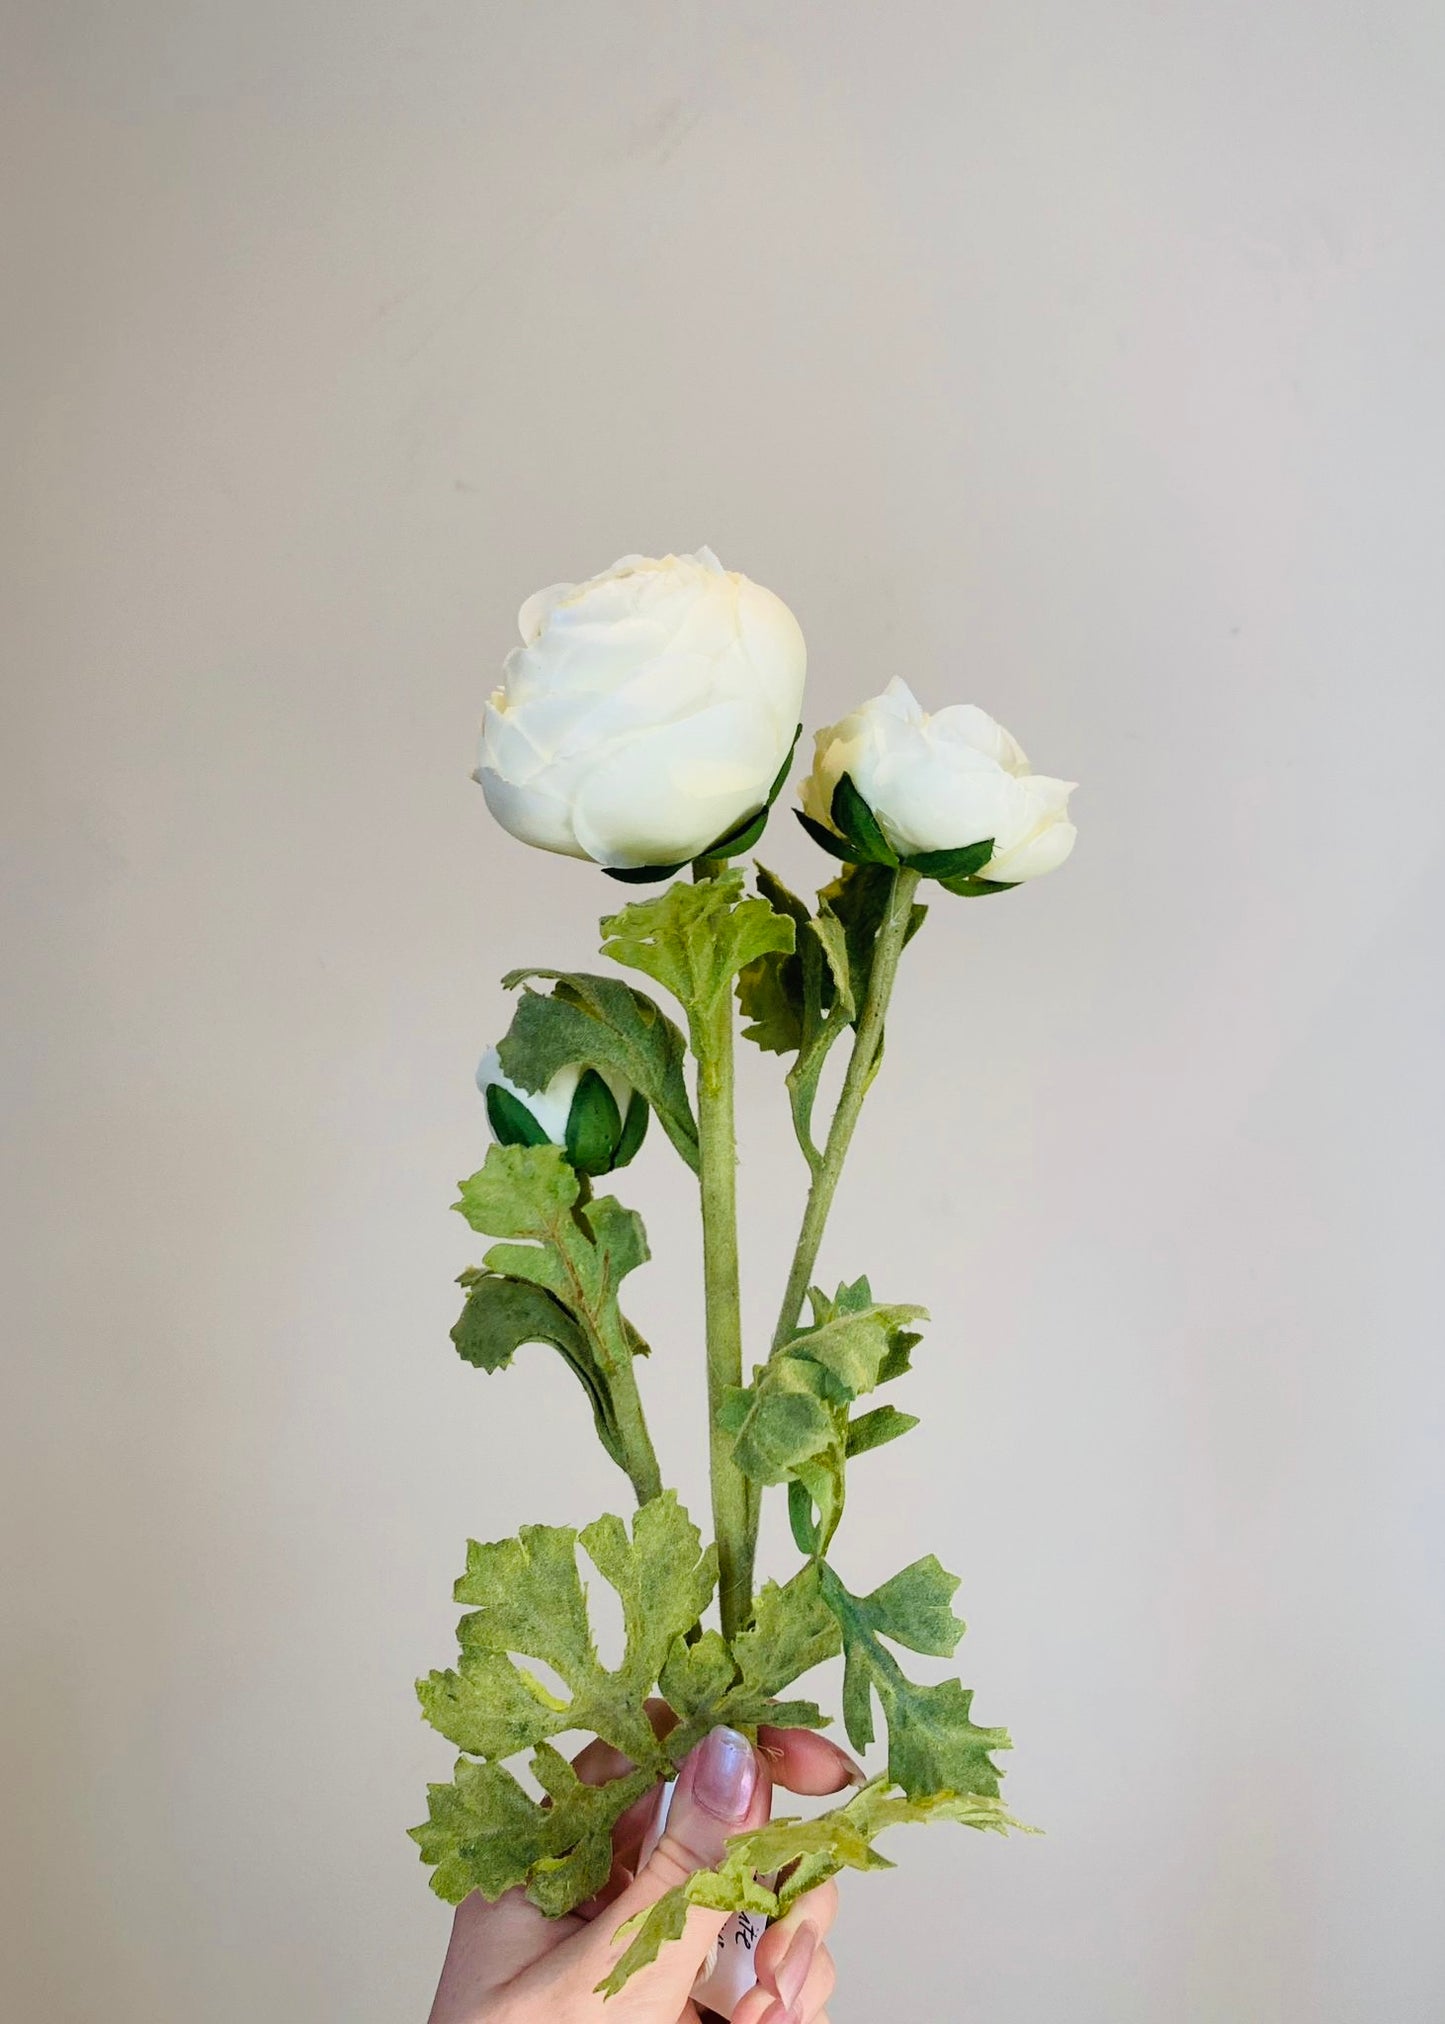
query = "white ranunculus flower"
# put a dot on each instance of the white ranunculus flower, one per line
(646, 714)
(942, 781)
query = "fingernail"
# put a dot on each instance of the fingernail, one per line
(856, 1774)
(793, 1968)
(781, 2013)
(726, 1775)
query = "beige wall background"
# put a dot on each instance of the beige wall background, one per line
(1082, 357)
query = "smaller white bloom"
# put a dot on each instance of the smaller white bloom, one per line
(943, 781)
(552, 1106)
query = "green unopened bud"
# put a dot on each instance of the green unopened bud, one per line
(596, 1117)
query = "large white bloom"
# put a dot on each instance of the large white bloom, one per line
(647, 712)
(942, 781)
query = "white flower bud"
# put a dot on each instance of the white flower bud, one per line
(941, 782)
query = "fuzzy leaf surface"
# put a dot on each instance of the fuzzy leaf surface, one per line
(601, 1022)
(579, 1254)
(809, 1851)
(484, 1832)
(694, 939)
(501, 1315)
(933, 1745)
(528, 1599)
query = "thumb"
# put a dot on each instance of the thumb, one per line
(722, 1789)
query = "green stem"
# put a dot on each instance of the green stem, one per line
(712, 1040)
(862, 1066)
(639, 1457)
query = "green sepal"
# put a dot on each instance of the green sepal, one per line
(977, 888)
(601, 1022)
(829, 840)
(855, 820)
(960, 863)
(511, 1121)
(594, 1126)
(634, 1129)
(732, 843)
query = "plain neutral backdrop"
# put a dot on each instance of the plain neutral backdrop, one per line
(1083, 358)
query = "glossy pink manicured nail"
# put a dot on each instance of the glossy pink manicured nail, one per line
(726, 1775)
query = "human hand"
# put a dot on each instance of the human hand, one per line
(507, 1964)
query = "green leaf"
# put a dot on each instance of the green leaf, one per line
(933, 1746)
(501, 1315)
(694, 939)
(601, 1022)
(791, 1425)
(808, 1852)
(530, 1603)
(792, 1631)
(876, 1429)
(577, 1252)
(731, 1887)
(962, 862)
(855, 819)
(485, 1833)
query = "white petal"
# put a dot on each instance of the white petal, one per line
(1044, 851)
(660, 797)
(966, 724)
(532, 618)
(530, 813)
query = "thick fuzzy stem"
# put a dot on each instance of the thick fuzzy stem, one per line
(713, 1045)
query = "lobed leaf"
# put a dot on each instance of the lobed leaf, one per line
(601, 1022)
(933, 1745)
(694, 939)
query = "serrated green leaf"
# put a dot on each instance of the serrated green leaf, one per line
(602, 1022)
(577, 1251)
(807, 1852)
(694, 939)
(501, 1315)
(792, 1631)
(731, 1887)
(791, 1425)
(933, 1745)
(485, 1833)
(530, 1602)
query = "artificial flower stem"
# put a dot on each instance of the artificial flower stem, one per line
(862, 1066)
(717, 1145)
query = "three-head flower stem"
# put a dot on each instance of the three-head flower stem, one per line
(862, 1067)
